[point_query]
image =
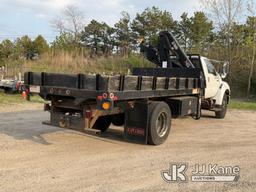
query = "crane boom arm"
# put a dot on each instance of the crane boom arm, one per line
(167, 46)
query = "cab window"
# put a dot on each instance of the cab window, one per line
(210, 67)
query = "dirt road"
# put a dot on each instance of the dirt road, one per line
(7, 108)
(35, 157)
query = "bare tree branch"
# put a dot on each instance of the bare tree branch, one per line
(71, 21)
(252, 13)
(227, 13)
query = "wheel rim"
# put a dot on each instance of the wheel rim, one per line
(161, 124)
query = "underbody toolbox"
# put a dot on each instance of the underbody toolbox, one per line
(182, 106)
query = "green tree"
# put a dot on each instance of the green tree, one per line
(98, 36)
(40, 45)
(250, 42)
(108, 39)
(24, 47)
(63, 42)
(200, 32)
(225, 13)
(183, 31)
(150, 22)
(123, 34)
(6, 49)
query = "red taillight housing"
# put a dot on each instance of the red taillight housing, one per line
(104, 95)
(88, 114)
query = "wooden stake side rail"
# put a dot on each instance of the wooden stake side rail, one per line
(121, 95)
(88, 86)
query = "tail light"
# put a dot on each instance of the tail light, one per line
(106, 105)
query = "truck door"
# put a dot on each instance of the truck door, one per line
(213, 79)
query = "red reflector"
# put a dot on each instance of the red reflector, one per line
(115, 98)
(17, 86)
(88, 114)
(105, 95)
(112, 96)
(100, 97)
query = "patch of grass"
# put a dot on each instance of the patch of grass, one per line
(243, 104)
(75, 62)
(6, 99)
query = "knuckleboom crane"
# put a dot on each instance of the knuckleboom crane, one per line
(167, 46)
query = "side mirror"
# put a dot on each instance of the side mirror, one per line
(225, 70)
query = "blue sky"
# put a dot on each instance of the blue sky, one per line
(20, 17)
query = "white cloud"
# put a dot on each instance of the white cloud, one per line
(35, 4)
(45, 7)
(50, 8)
(34, 15)
(104, 10)
(40, 16)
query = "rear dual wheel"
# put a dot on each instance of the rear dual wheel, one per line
(159, 123)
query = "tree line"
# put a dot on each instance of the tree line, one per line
(229, 39)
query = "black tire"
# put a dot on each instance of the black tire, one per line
(103, 123)
(159, 123)
(222, 113)
(118, 120)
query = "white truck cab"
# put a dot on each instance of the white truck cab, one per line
(217, 91)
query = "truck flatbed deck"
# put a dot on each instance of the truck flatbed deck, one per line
(87, 102)
(144, 83)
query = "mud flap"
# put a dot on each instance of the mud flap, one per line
(136, 122)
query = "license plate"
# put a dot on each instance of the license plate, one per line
(34, 89)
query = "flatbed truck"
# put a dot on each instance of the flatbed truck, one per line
(144, 102)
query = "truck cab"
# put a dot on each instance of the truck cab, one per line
(216, 94)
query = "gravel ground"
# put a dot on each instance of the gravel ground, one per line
(36, 157)
(20, 107)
